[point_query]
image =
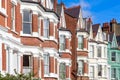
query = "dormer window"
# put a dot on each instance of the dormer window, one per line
(27, 22)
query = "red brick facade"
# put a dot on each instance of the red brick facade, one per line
(36, 45)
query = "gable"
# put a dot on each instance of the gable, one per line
(114, 42)
(62, 18)
(99, 35)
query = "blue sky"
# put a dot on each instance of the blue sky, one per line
(100, 10)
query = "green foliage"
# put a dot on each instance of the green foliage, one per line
(17, 76)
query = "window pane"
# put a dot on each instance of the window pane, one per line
(91, 71)
(46, 28)
(80, 42)
(113, 56)
(62, 42)
(80, 68)
(99, 70)
(99, 51)
(46, 64)
(113, 73)
(26, 60)
(27, 15)
(27, 28)
(91, 51)
(62, 71)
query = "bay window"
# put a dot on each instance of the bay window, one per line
(46, 28)
(62, 42)
(13, 17)
(62, 71)
(27, 22)
(80, 42)
(80, 67)
(46, 64)
(113, 56)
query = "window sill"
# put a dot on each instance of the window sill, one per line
(3, 12)
(84, 49)
(66, 51)
(14, 31)
(51, 75)
(50, 38)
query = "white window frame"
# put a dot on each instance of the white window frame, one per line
(46, 28)
(13, 17)
(91, 72)
(46, 64)
(80, 67)
(28, 22)
(91, 51)
(62, 71)
(62, 42)
(80, 42)
(113, 56)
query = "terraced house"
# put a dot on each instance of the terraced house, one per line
(55, 42)
(97, 56)
(43, 37)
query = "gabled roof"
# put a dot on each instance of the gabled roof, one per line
(95, 28)
(73, 11)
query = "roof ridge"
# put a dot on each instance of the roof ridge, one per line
(78, 6)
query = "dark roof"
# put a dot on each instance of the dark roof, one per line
(95, 28)
(73, 11)
(118, 40)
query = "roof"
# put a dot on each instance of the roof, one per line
(95, 28)
(73, 11)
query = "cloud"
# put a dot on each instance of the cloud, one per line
(85, 8)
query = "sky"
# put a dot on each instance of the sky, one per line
(99, 10)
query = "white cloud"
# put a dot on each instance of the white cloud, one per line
(85, 8)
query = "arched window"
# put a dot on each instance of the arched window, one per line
(62, 71)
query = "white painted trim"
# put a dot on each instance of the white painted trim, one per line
(3, 12)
